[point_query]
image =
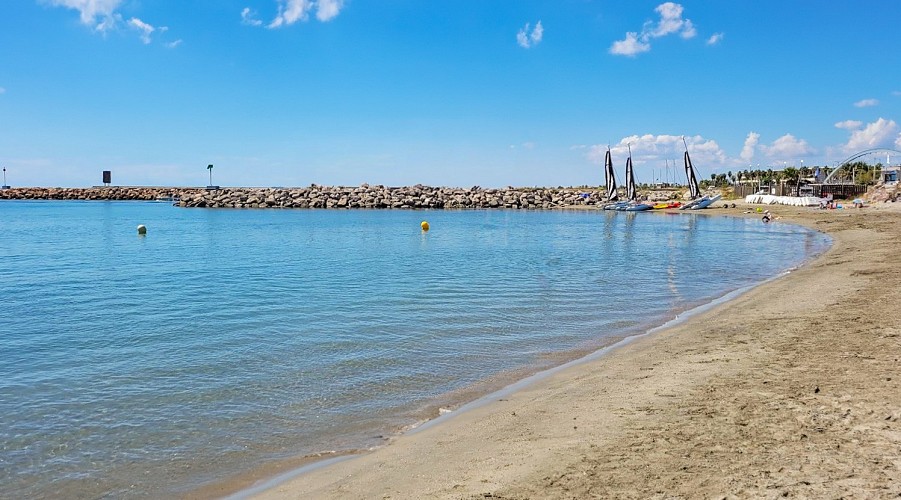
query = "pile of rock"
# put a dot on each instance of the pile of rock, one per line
(365, 196)
(882, 193)
(94, 193)
(411, 197)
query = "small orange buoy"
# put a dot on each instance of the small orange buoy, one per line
(424, 225)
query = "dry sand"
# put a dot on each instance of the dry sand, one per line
(792, 389)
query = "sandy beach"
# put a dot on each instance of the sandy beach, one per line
(791, 389)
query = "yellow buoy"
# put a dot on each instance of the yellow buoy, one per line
(424, 225)
(759, 210)
(142, 229)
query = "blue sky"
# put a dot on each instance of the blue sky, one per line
(456, 93)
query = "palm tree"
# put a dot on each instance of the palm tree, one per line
(791, 174)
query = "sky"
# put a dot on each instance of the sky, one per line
(438, 92)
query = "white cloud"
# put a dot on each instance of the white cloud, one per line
(631, 46)
(174, 44)
(326, 10)
(649, 148)
(670, 22)
(875, 135)
(249, 17)
(102, 16)
(99, 14)
(849, 124)
(525, 39)
(537, 33)
(787, 147)
(145, 29)
(291, 11)
(522, 37)
(747, 151)
(715, 38)
(864, 103)
(896, 93)
(108, 23)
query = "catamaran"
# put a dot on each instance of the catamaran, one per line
(697, 200)
(631, 193)
(613, 202)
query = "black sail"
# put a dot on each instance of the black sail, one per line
(693, 187)
(631, 192)
(610, 177)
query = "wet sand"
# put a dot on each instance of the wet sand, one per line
(792, 389)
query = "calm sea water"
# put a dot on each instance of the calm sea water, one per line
(223, 339)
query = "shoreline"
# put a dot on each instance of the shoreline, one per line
(315, 462)
(435, 445)
(270, 474)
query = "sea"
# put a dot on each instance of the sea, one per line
(223, 340)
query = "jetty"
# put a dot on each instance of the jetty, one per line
(335, 197)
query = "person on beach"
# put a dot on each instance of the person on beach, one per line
(766, 216)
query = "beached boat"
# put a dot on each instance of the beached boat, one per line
(698, 201)
(633, 205)
(613, 202)
(704, 202)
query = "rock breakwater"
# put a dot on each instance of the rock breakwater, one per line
(96, 193)
(381, 197)
(337, 197)
(365, 196)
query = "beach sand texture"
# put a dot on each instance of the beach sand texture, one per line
(792, 389)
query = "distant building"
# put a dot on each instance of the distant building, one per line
(891, 175)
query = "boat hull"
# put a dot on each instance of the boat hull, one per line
(703, 202)
(706, 202)
(616, 206)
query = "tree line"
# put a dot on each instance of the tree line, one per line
(857, 172)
